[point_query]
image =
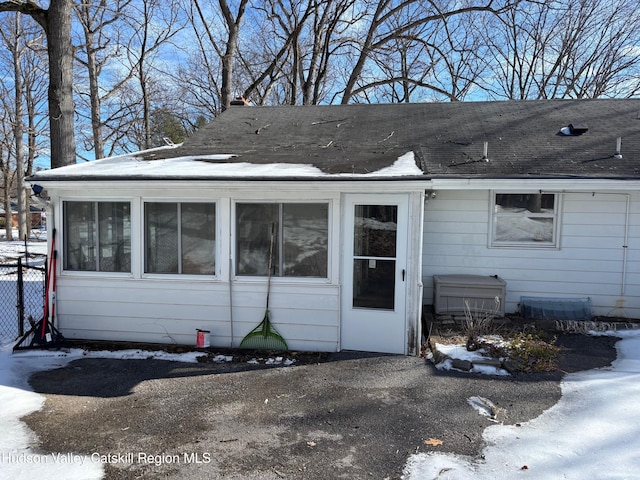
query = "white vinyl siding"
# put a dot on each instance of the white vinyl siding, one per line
(590, 261)
(170, 311)
(168, 308)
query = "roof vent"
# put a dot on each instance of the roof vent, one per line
(578, 128)
(618, 154)
(575, 129)
(485, 151)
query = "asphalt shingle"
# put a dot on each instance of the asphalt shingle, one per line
(523, 137)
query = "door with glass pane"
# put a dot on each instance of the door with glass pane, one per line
(374, 273)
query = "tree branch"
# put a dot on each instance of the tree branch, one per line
(28, 8)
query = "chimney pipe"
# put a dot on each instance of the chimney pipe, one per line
(240, 101)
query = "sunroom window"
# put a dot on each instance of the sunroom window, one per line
(97, 236)
(300, 239)
(180, 238)
(524, 219)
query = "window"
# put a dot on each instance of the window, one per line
(180, 238)
(300, 239)
(97, 236)
(524, 219)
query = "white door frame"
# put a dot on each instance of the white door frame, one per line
(375, 329)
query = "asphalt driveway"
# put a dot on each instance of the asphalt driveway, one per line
(354, 416)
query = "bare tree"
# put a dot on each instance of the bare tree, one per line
(35, 96)
(7, 165)
(277, 56)
(379, 33)
(553, 49)
(310, 37)
(15, 42)
(56, 23)
(21, 43)
(232, 22)
(199, 79)
(431, 61)
(203, 18)
(151, 26)
(96, 17)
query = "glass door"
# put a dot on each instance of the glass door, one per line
(374, 260)
(374, 292)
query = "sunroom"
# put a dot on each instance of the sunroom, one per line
(155, 258)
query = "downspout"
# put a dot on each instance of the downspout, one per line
(423, 206)
(230, 287)
(623, 282)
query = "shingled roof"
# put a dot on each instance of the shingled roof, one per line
(523, 138)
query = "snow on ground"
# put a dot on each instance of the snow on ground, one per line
(16, 248)
(461, 353)
(19, 457)
(592, 432)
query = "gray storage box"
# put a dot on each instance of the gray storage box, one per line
(451, 291)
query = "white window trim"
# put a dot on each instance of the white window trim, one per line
(60, 237)
(216, 276)
(278, 279)
(557, 217)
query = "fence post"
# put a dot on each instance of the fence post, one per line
(20, 303)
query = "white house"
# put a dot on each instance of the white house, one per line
(368, 202)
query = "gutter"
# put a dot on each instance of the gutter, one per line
(194, 178)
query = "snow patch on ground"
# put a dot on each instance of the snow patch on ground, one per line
(460, 352)
(591, 432)
(18, 456)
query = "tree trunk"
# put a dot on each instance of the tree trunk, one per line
(61, 111)
(534, 203)
(94, 94)
(6, 200)
(18, 129)
(233, 26)
(56, 22)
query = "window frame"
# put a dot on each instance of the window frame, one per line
(180, 253)
(95, 207)
(556, 217)
(280, 240)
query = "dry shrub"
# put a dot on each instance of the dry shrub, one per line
(478, 321)
(531, 353)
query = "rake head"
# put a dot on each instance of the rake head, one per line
(264, 337)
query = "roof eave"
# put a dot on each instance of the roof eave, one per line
(131, 178)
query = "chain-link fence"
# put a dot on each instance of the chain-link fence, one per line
(22, 284)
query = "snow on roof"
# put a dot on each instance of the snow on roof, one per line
(211, 166)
